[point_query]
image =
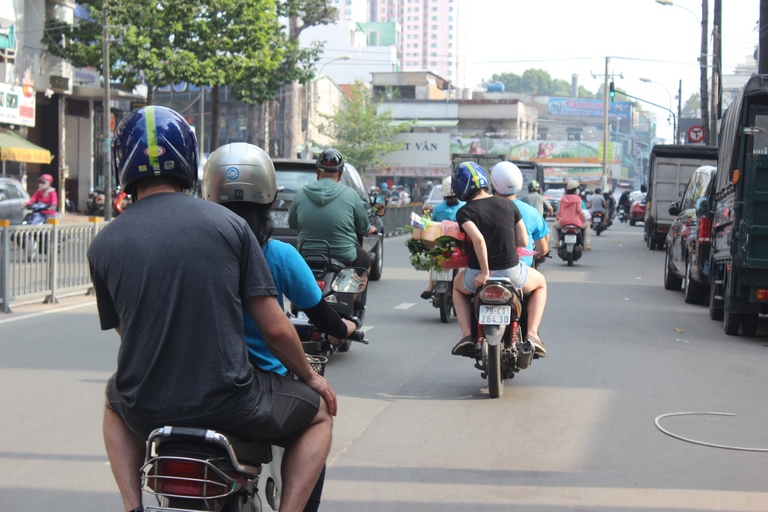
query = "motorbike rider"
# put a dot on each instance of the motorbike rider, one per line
(46, 194)
(596, 203)
(507, 179)
(331, 211)
(538, 201)
(252, 197)
(171, 276)
(624, 201)
(496, 229)
(611, 203)
(443, 211)
(570, 212)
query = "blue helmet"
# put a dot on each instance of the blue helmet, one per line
(467, 178)
(154, 142)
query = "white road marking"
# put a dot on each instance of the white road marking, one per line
(47, 312)
(405, 305)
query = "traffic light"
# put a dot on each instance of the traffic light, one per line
(612, 91)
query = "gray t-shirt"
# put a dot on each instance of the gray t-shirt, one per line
(538, 201)
(596, 202)
(172, 273)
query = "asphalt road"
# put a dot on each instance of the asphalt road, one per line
(416, 429)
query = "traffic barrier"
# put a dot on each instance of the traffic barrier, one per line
(397, 217)
(44, 261)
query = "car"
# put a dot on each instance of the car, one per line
(637, 210)
(433, 198)
(553, 195)
(690, 237)
(13, 197)
(292, 175)
(634, 195)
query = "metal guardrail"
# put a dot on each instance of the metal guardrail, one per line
(42, 261)
(397, 217)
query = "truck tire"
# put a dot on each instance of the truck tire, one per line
(749, 323)
(652, 244)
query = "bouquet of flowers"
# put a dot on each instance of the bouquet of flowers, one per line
(449, 253)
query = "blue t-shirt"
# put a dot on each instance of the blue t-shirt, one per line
(535, 225)
(294, 279)
(444, 212)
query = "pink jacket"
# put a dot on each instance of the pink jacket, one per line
(569, 210)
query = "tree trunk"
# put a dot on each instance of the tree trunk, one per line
(703, 66)
(272, 116)
(150, 94)
(263, 128)
(214, 139)
(252, 133)
(290, 102)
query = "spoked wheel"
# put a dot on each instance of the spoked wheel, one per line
(445, 303)
(495, 377)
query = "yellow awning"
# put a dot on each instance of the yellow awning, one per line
(17, 149)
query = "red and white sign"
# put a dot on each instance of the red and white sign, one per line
(696, 134)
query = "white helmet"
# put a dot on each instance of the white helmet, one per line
(447, 190)
(506, 178)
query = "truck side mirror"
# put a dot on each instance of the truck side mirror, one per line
(702, 207)
(673, 209)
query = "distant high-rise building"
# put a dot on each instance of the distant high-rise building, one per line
(430, 33)
(351, 10)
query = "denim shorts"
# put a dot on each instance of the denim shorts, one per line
(518, 275)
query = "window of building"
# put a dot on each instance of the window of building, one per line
(434, 18)
(574, 135)
(434, 36)
(433, 64)
(433, 54)
(434, 27)
(434, 9)
(434, 45)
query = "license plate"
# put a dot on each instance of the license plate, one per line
(280, 219)
(570, 239)
(442, 275)
(495, 315)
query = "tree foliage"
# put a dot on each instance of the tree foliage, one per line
(536, 81)
(692, 107)
(363, 135)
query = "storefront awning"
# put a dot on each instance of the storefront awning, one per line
(17, 149)
(427, 123)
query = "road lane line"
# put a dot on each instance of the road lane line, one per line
(405, 305)
(47, 312)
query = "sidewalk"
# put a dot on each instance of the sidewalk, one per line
(70, 218)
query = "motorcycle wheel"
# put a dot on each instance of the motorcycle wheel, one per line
(377, 268)
(495, 377)
(445, 301)
(570, 259)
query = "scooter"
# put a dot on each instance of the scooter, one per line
(442, 297)
(598, 222)
(623, 214)
(571, 243)
(499, 321)
(35, 242)
(344, 288)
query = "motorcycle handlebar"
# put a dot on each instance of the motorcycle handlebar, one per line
(358, 336)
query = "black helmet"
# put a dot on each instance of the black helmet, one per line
(330, 160)
(598, 190)
(534, 186)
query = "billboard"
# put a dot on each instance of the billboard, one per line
(17, 104)
(582, 107)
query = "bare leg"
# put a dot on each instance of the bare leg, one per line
(462, 305)
(536, 285)
(304, 460)
(125, 451)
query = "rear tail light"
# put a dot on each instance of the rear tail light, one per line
(187, 478)
(495, 294)
(762, 294)
(705, 231)
(321, 284)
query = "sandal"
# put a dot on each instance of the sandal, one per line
(426, 295)
(538, 345)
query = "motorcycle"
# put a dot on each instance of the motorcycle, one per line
(34, 242)
(442, 297)
(623, 214)
(95, 204)
(598, 222)
(571, 243)
(344, 288)
(499, 321)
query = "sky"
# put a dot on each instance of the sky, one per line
(643, 38)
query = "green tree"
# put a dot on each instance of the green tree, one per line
(536, 81)
(692, 107)
(362, 134)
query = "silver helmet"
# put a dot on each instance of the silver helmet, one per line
(239, 172)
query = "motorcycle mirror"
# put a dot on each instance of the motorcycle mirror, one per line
(379, 209)
(673, 209)
(350, 280)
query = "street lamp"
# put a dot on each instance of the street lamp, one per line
(674, 119)
(309, 103)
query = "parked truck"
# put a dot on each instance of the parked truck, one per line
(670, 168)
(739, 209)
(530, 170)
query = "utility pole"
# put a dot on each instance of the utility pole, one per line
(714, 111)
(762, 51)
(703, 65)
(604, 180)
(679, 111)
(107, 117)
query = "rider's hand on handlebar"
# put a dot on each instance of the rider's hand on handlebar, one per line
(372, 230)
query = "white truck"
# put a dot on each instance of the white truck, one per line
(670, 168)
